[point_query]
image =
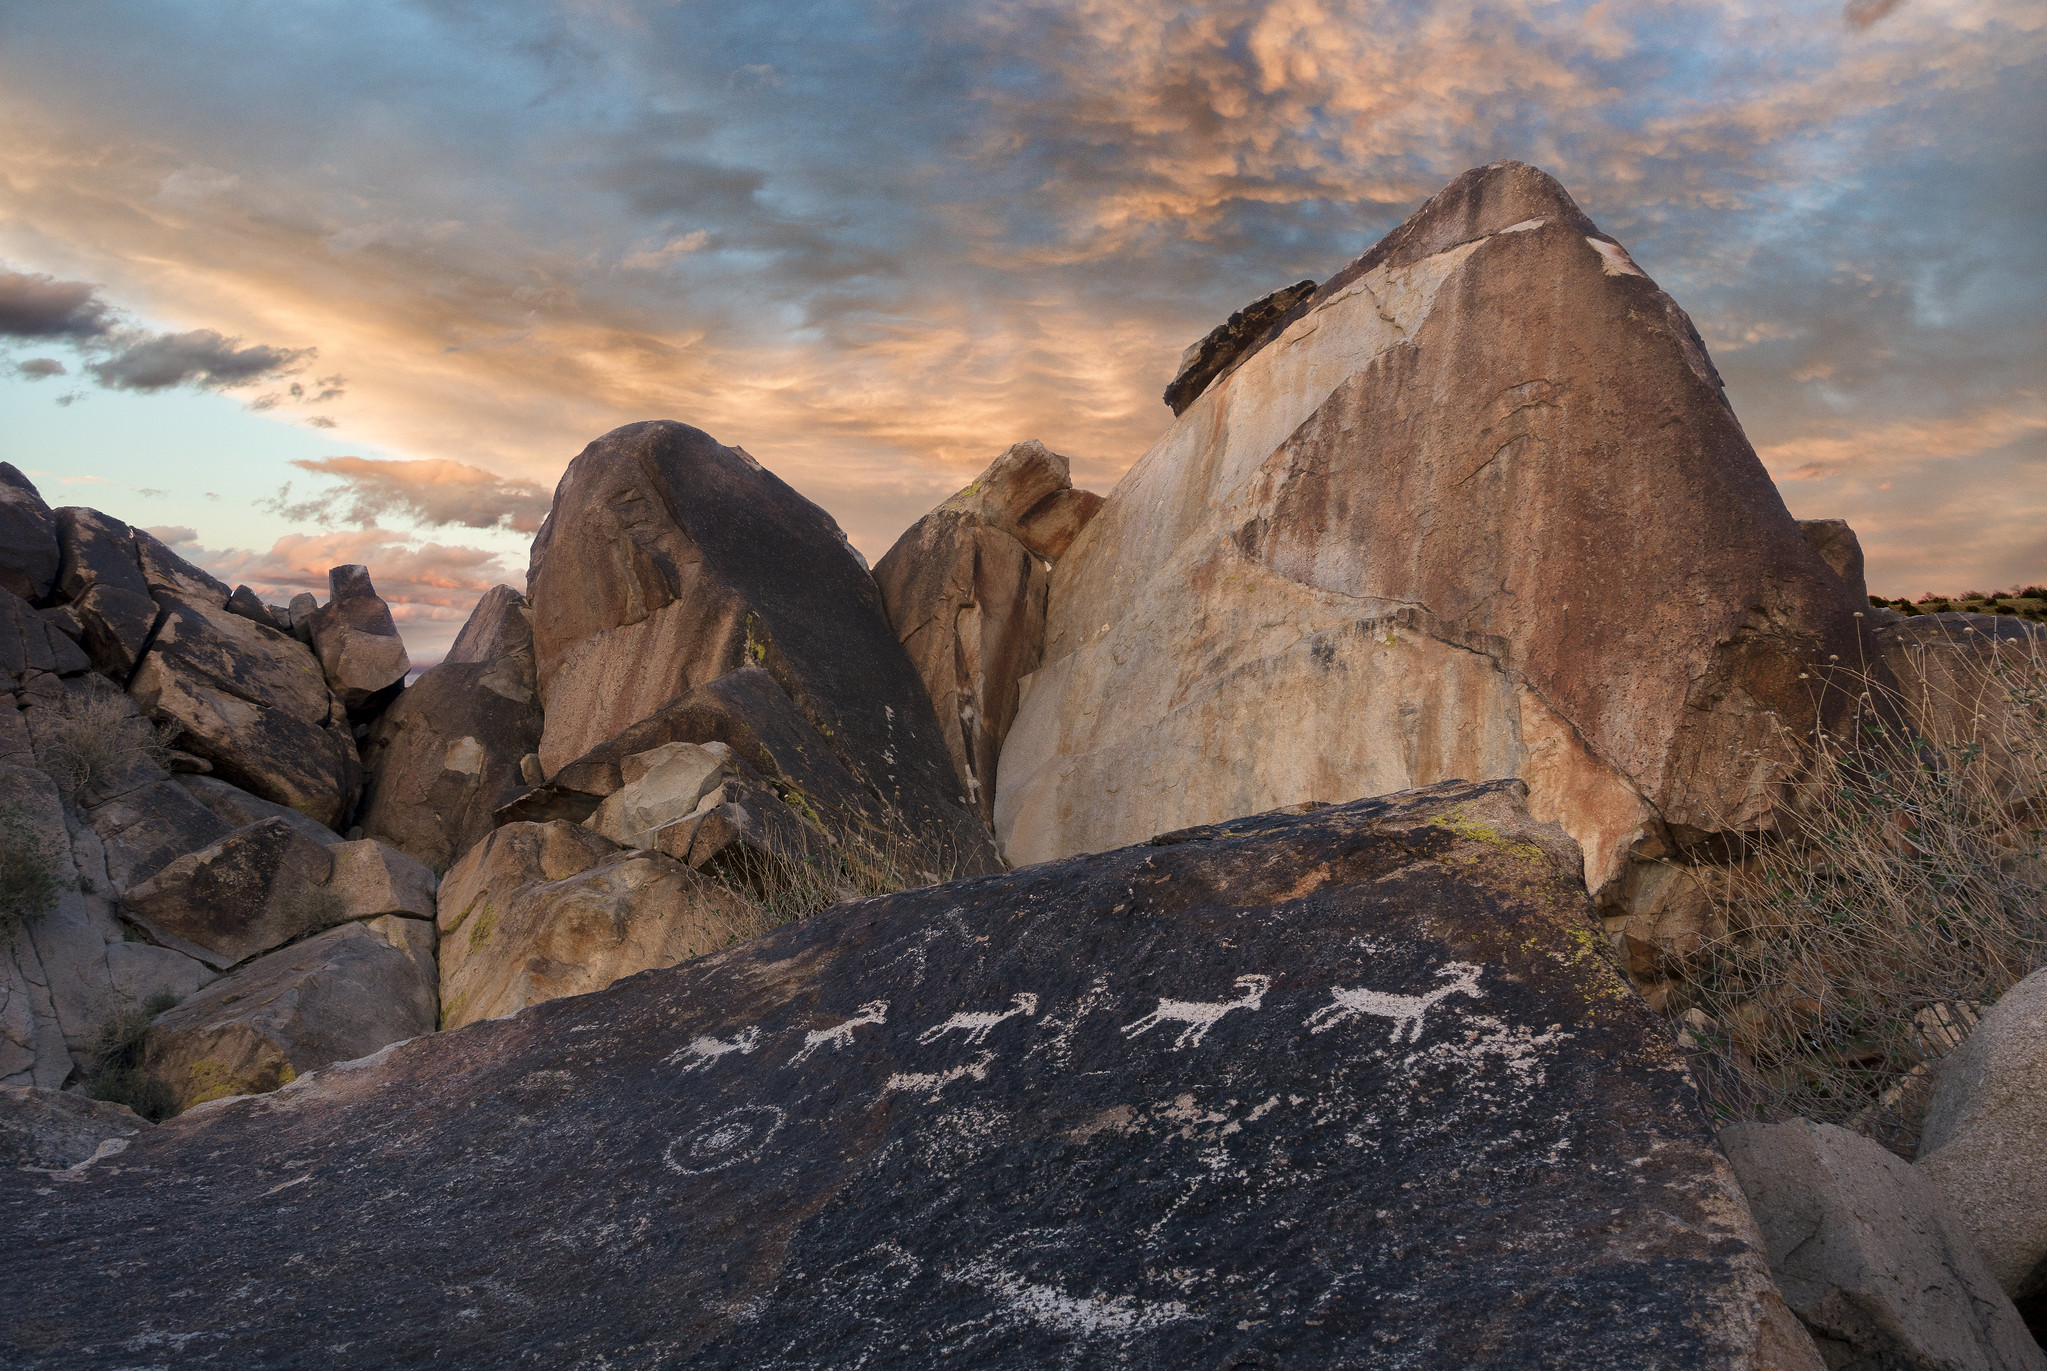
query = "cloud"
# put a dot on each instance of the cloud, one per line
(1862, 13)
(174, 535)
(34, 306)
(434, 493)
(199, 356)
(36, 368)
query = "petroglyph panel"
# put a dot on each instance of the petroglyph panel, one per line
(1166, 1107)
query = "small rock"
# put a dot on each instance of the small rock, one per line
(53, 1129)
(662, 785)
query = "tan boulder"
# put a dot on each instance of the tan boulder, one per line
(661, 786)
(1984, 1141)
(669, 561)
(360, 651)
(539, 911)
(1479, 510)
(447, 752)
(372, 878)
(337, 996)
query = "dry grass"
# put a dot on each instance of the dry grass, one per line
(785, 886)
(1911, 892)
(93, 741)
(116, 1073)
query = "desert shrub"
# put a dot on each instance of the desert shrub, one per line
(93, 740)
(30, 877)
(115, 1070)
(1909, 892)
(782, 887)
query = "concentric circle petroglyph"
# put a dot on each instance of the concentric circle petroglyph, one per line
(733, 1137)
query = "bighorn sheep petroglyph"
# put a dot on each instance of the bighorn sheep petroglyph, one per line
(1198, 1017)
(977, 1024)
(840, 1034)
(701, 1052)
(1406, 1011)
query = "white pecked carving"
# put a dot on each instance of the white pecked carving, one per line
(933, 1082)
(701, 1052)
(1406, 1011)
(978, 1024)
(1198, 1017)
(841, 1034)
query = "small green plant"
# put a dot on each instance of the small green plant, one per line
(1909, 891)
(29, 876)
(92, 741)
(116, 1073)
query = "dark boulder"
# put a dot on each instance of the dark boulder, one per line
(446, 753)
(31, 645)
(102, 582)
(669, 561)
(1345, 1088)
(1202, 362)
(28, 537)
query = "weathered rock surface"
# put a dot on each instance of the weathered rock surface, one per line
(1202, 362)
(146, 829)
(250, 700)
(372, 878)
(102, 581)
(238, 808)
(28, 537)
(669, 561)
(446, 753)
(1841, 550)
(1336, 1089)
(1953, 674)
(332, 998)
(661, 786)
(31, 644)
(52, 1128)
(1480, 510)
(966, 595)
(539, 911)
(1984, 1140)
(255, 889)
(358, 643)
(1869, 1256)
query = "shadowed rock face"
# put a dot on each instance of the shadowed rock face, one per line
(1479, 509)
(669, 561)
(1330, 1089)
(1228, 341)
(28, 537)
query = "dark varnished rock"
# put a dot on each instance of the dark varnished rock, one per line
(28, 537)
(1131, 1109)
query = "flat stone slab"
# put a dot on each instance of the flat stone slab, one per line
(1344, 1088)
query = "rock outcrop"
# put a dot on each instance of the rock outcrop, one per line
(965, 592)
(1337, 1088)
(360, 651)
(1841, 550)
(332, 998)
(539, 911)
(249, 700)
(102, 583)
(1984, 1140)
(1869, 1256)
(668, 562)
(28, 537)
(446, 753)
(52, 1129)
(1479, 509)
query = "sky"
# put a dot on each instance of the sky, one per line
(320, 283)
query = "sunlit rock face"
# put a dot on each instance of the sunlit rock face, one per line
(1478, 508)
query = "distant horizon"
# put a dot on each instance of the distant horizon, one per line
(354, 284)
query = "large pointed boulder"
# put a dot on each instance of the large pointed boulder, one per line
(1477, 508)
(442, 758)
(669, 561)
(1338, 1089)
(965, 592)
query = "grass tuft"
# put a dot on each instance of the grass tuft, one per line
(1908, 893)
(115, 1071)
(30, 880)
(94, 740)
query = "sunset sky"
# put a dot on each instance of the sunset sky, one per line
(408, 258)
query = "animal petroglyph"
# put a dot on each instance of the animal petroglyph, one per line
(1406, 1011)
(978, 1024)
(932, 1082)
(840, 1034)
(702, 1052)
(1200, 1017)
